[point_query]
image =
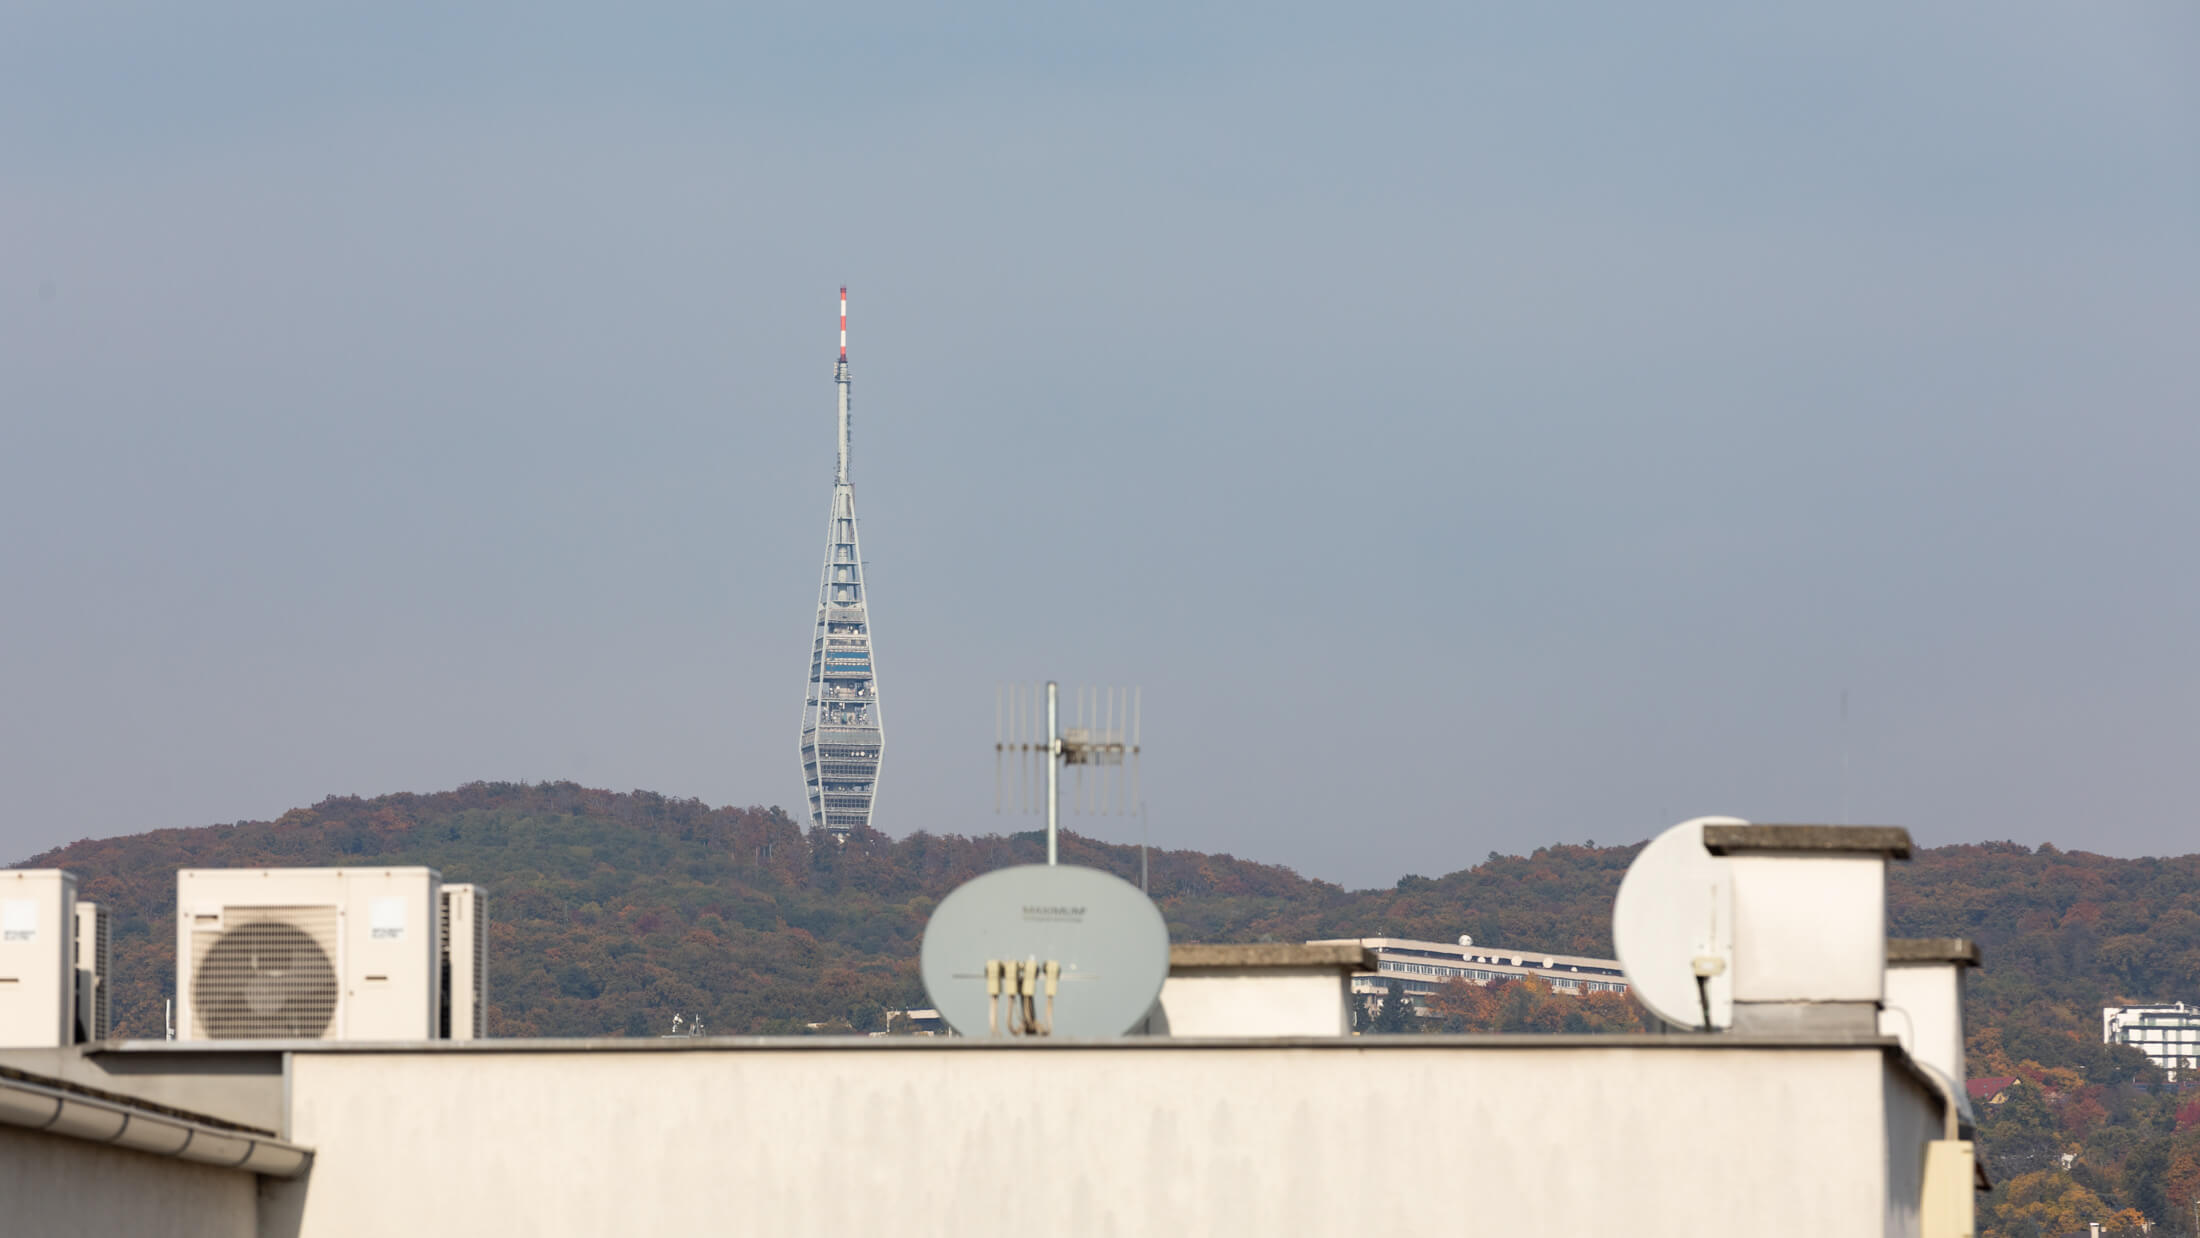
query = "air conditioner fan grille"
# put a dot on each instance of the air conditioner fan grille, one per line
(269, 973)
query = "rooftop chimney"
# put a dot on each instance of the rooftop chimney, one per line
(1924, 1003)
(1810, 924)
(1264, 989)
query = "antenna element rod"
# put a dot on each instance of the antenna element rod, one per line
(1054, 767)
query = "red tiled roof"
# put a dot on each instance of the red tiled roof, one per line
(1980, 1089)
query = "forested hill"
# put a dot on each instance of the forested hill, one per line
(612, 911)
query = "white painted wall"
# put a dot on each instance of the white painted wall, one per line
(1635, 1135)
(56, 1187)
(1809, 928)
(1908, 1127)
(245, 1087)
(1924, 1010)
(1256, 1001)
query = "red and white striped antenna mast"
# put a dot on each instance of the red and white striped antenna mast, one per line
(840, 380)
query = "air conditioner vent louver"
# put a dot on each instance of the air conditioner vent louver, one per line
(481, 965)
(269, 972)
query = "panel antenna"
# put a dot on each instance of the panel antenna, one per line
(1099, 745)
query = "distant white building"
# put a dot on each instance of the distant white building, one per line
(2168, 1035)
(1424, 965)
(919, 1022)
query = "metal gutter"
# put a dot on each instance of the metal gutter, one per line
(61, 1108)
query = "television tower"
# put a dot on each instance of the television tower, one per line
(841, 735)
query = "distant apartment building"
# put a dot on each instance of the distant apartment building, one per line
(920, 1022)
(1423, 965)
(2168, 1035)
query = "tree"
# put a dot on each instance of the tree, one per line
(2019, 1135)
(1394, 1010)
(2050, 1202)
(2145, 1178)
(1461, 1005)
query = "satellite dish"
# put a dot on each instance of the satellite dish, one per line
(1106, 943)
(1673, 928)
(1465, 940)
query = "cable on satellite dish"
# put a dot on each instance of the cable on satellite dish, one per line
(1673, 928)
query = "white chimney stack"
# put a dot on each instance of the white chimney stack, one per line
(1810, 924)
(1924, 1003)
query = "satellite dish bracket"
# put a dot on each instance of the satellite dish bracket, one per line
(1019, 983)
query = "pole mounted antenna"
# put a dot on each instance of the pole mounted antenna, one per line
(844, 323)
(1102, 736)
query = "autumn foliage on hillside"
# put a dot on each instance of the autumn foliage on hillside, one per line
(2065, 933)
(1530, 1004)
(610, 912)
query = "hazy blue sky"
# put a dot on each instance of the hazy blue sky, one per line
(1476, 426)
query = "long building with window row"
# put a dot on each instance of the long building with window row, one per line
(1423, 965)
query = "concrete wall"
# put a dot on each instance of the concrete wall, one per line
(243, 1086)
(57, 1187)
(1924, 1010)
(1912, 1123)
(1647, 1136)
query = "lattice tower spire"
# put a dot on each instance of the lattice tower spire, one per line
(841, 733)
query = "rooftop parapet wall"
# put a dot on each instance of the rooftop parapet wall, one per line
(1138, 1136)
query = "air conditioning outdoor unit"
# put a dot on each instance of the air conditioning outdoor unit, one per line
(94, 964)
(37, 958)
(465, 963)
(308, 953)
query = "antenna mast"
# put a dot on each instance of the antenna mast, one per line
(1102, 736)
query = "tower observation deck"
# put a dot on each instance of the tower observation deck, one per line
(841, 733)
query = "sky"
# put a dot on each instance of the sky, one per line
(1473, 427)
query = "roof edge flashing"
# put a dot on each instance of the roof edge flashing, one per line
(1195, 958)
(1961, 951)
(1805, 841)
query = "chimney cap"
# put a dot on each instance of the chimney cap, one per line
(1350, 956)
(1958, 950)
(1891, 841)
